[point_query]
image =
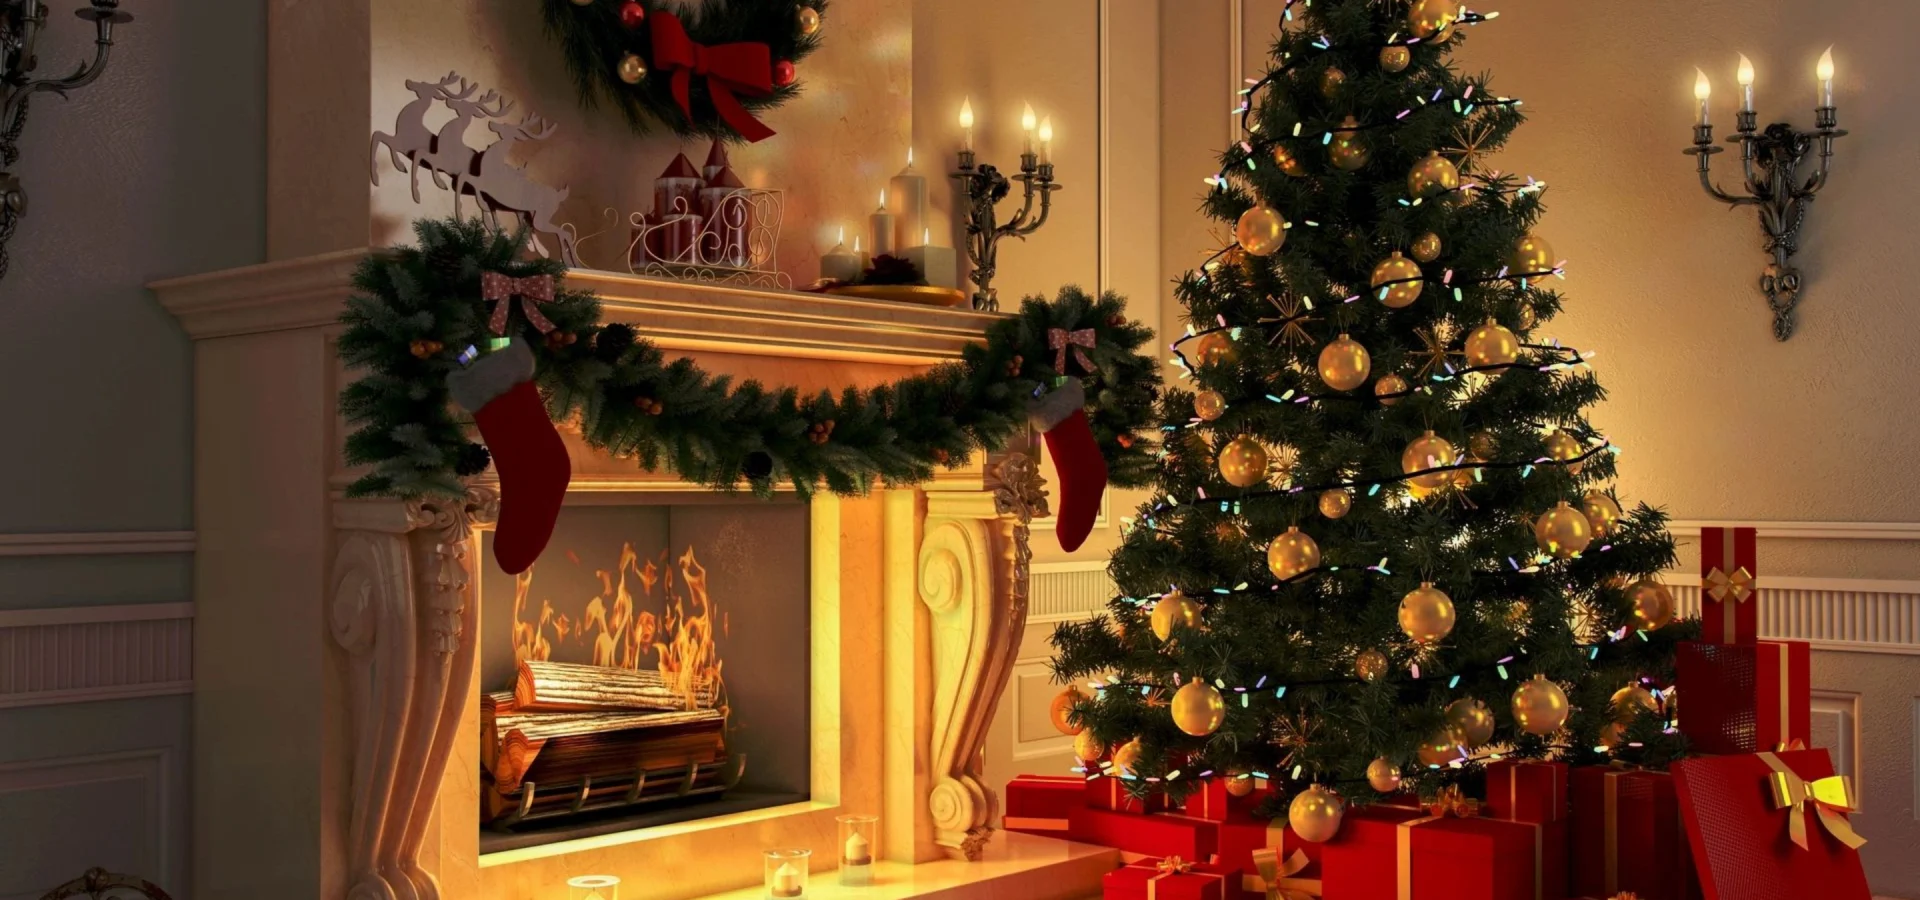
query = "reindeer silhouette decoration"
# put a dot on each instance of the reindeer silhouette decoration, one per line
(496, 185)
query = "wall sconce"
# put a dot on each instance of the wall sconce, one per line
(1770, 162)
(985, 186)
(20, 25)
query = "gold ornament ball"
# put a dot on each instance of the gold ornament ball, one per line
(1173, 609)
(1370, 665)
(1209, 405)
(1315, 814)
(1239, 784)
(1430, 18)
(1481, 444)
(1215, 348)
(1330, 82)
(1292, 554)
(1395, 58)
(1539, 706)
(1335, 502)
(1125, 757)
(1198, 709)
(1566, 448)
(1058, 711)
(1469, 722)
(1440, 749)
(1563, 531)
(1383, 776)
(1088, 748)
(809, 19)
(1652, 604)
(1628, 701)
(632, 69)
(1432, 176)
(1261, 230)
(1532, 257)
(1492, 344)
(1526, 318)
(1390, 388)
(1284, 158)
(1391, 284)
(1346, 151)
(1344, 364)
(1243, 462)
(1226, 531)
(1613, 735)
(1426, 248)
(1428, 451)
(1601, 511)
(1426, 614)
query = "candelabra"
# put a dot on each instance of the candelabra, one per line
(985, 187)
(1770, 162)
(20, 25)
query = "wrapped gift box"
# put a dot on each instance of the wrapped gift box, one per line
(1770, 826)
(1243, 836)
(1038, 804)
(1159, 835)
(1627, 836)
(1403, 854)
(1165, 879)
(1108, 792)
(1729, 602)
(1744, 698)
(1212, 801)
(1527, 790)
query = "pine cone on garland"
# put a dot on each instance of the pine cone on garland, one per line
(471, 460)
(893, 270)
(613, 341)
(758, 465)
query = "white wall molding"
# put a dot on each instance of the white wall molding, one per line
(1066, 591)
(144, 777)
(86, 653)
(1819, 531)
(1848, 614)
(96, 543)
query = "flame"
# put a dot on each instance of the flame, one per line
(529, 640)
(689, 658)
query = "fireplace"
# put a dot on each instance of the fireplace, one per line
(650, 668)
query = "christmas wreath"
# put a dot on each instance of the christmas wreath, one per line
(421, 316)
(700, 69)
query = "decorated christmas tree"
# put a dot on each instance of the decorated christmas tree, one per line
(1384, 545)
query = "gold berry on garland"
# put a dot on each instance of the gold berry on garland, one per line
(1261, 230)
(1198, 708)
(632, 14)
(1315, 814)
(1370, 665)
(1124, 440)
(1288, 164)
(1346, 151)
(1426, 248)
(820, 432)
(1215, 348)
(1116, 321)
(632, 69)
(1492, 344)
(1562, 531)
(1344, 364)
(1428, 451)
(1383, 776)
(808, 19)
(560, 340)
(425, 349)
(1292, 554)
(1014, 365)
(1602, 511)
(1243, 462)
(1390, 389)
(1395, 58)
(1060, 710)
(1173, 609)
(1396, 281)
(1539, 706)
(1209, 405)
(1652, 603)
(649, 406)
(1426, 614)
(1432, 176)
(1335, 502)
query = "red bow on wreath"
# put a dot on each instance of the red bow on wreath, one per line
(745, 67)
(532, 290)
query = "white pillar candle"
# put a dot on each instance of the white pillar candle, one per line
(907, 196)
(840, 264)
(881, 228)
(938, 265)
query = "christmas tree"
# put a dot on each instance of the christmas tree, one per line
(1384, 544)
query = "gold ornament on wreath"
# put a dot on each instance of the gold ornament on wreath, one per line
(1315, 814)
(1209, 405)
(1653, 606)
(1346, 151)
(1171, 610)
(1428, 451)
(1344, 364)
(1060, 710)
(1492, 344)
(1432, 176)
(1335, 502)
(1396, 281)
(1563, 531)
(1602, 511)
(1198, 708)
(1539, 706)
(1243, 462)
(1261, 230)
(1395, 58)
(1426, 614)
(1292, 554)
(1469, 722)
(1370, 665)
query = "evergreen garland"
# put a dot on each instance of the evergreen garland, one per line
(416, 308)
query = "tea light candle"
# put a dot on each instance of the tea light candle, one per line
(786, 873)
(787, 881)
(908, 191)
(881, 223)
(593, 887)
(840, 264)
(857, 834)
(938, 265)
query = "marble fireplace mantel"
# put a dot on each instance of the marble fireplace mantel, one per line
(335, 663)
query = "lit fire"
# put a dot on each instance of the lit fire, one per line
(680, 640)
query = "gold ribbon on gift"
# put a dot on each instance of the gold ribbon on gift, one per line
(1452, 802)
(1831, 798)
(1721, 584)
(1032, 823)
(1275, 878)
(1405, 867)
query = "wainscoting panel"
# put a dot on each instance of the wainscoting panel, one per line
(1831, 613)
(1836, 726)
(63, 816)
(1066, 591)
(77, 654)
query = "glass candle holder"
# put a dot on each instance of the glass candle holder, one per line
(593, 887)
(859, 845)
(787, 873)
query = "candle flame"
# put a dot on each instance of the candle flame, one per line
(1702, 88)
(1745, 73)
(926, 236)
(856, 243)
(966, 113)
(1046, 129)
(1825, 69)
(843, 235)
(909, 157)
(883, 198)
(1026, 117)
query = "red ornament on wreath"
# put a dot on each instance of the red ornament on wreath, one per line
(783, 73)
(632, 14)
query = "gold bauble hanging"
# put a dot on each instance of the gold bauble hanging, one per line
(1125, 757)
(1426, 614)
(1370, 665)
(1215, 348)
(1567, 449)
(1173, 609)
(1426, 248)
(1335, 502)
(1198, 709)
(1396, 281)
(1431, 18)
(1539, 706)
(1292, 554)
(1432, 176)
(1428, 451)
(1440, 749)
(1315, 814)
(1653, 606)
(1628, 701)
(1481, 444)
(1492, 344)
(1563, 531)
(1602, 512)
(1395, 58)
(1346, 151)
(809, 19)
(1061, 709)
(1284, 158)
(1469, 722)
(1526, 318)
(1209, 405)
(1344, 364)
(632, 68)
(1088, 748)
(1532, 258)
(1239, 784)
(1243, 462)
(1261, 230)
(1383, 776)
(1330, 82)
(1390, 388)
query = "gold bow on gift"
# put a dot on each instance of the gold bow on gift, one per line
(1174, 865)
(1719, 584)
(1452, 802)
(1276, 879)
(1625, 895)
(1832, 798)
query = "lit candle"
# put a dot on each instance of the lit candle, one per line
(786, 881)
(908, 191)
(1702, 89)
(1744, 75)
(1046, 139)
(1824, 72)
(857, 852)
(938, 265)
(860, 257)
(881, 225)
(1027, 124)
(840, 264)
(966, 123)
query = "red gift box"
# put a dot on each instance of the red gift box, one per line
(1164, 879)
(1729, 601)
(1627, 836)
(1771, 826)
(1160, 834)
(1242, 838)
(1527, 790)
(1212, 801)
(1281, 877)
(1108, 792)
(1038, 804)
(1406, 854)
(1744, 698)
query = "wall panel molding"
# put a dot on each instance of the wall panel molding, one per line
(1847, 614)
(1818, 531)
(146, 775)
(96, 543)
(1065, 591)
(86, 653)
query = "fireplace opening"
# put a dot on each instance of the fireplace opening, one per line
(652, 667)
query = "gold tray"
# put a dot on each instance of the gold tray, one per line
(923, 294)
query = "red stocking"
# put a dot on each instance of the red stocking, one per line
(1062, 418)
(527, 452)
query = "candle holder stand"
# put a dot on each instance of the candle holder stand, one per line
(985, 187)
